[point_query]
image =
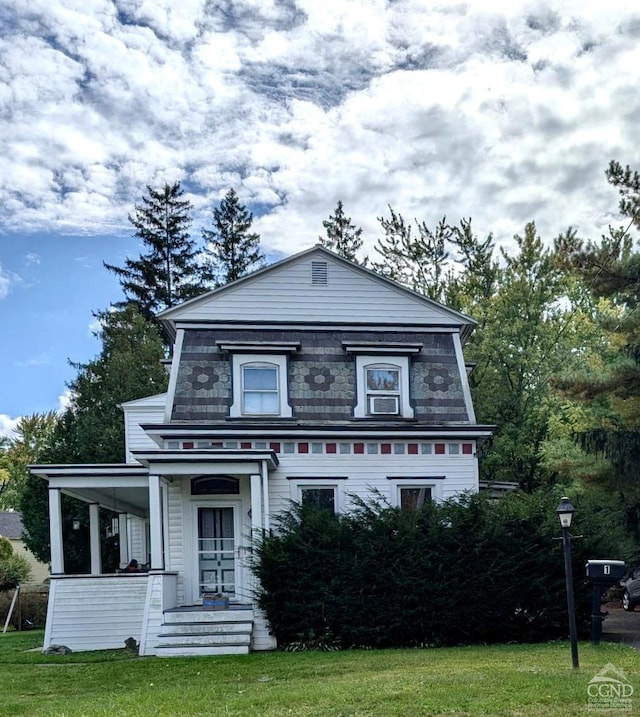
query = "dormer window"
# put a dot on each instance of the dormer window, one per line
(259, 386)
(382, 387)
(260, 389)
(383, 390)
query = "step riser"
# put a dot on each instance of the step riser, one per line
(194, 651)
(206, 628)
(205, 640)
(174, 618)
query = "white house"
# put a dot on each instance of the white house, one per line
(308, 380)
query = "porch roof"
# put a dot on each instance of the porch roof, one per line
(206, 461)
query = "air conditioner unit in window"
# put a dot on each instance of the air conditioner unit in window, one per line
(384, 405)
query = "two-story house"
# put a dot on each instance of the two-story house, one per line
(309, 380)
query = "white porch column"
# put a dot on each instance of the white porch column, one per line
(155, 522)
(256, 503)
(55, 531)
(123, 538)
(94, 538)
(265, 497)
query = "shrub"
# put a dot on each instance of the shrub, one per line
(30, 612)
(14, 569)
(466, 571)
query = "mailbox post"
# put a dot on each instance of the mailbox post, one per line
(602, 574)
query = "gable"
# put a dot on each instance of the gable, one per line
(318, 287)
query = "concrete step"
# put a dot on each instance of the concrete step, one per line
(238, 638)
(200, 650)
(204, 628)
(202, 615)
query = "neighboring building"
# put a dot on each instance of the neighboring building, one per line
(11, 528)
(309, 380)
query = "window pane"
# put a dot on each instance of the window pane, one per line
(261, 379)
(414, 498)
(259, 403)
(319, 499)
(383, 379)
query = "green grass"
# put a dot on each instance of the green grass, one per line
(513, 680)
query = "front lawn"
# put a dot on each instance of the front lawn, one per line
(514, 680)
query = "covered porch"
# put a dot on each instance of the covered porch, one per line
(159, 523)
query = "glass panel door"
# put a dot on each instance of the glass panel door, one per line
(216, 551)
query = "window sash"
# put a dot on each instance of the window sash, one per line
(414, 497)
(319, 498)
(260, 390)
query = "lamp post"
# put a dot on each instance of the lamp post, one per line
(565, 512)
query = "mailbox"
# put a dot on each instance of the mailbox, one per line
(602, 574)
(605, 571)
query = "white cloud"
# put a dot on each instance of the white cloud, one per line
(64, 400)
(7, 425)
(505, 112)
(8, 279)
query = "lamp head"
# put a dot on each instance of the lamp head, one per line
(565, 512)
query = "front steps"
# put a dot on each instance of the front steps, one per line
(201, 631)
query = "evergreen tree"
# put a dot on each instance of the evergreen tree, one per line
(607, 388)
(234, 250)
(91, 430)
(342, 236)
(168, 272)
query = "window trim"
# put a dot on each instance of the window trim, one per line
(401, 363)
(297, 485)
(239, 362)
(433, 483)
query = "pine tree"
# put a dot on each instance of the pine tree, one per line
(234, 250)
(169, 272)
(342, 236)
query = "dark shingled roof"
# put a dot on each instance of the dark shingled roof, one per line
(10, 525)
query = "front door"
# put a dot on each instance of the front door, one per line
(216, 550)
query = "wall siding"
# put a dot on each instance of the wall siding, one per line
(95, 613)
(349, 296)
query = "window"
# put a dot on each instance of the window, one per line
(382, 386)
(414, 497)
(259, 386)
(319, 498)
(260, 393)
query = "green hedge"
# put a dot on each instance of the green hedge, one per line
(469, 571)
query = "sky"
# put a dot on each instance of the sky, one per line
(505, 112)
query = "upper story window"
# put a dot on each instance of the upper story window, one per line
(259, 386)
(260, 389)
(383, 390)
(382, 386)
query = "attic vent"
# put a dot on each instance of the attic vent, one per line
(319, 273)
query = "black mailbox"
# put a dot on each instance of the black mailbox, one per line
(605, 571)
(602, 574)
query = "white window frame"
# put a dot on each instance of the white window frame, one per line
(242, 360)
(297, 486)
(401, 363)
(397, 484)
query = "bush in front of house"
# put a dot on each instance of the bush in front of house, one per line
(14, 569)
(458, 572)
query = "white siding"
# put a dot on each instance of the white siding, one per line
(160, 596)
(147, 410)
(176, 552)
(367, 472)
(287, 294)
(95, 613)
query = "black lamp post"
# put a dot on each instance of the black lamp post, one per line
(565, 512)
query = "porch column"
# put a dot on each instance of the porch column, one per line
(123, 538)
(55, 531)
(94, 538)
(256, 503)
(155, 522)
(265, 497)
